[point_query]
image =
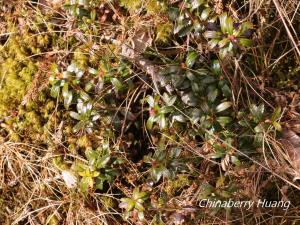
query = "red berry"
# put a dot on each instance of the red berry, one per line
(152, 112)
(232, 38)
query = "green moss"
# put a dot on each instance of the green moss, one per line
(17, 73)
(163, 32)
(84, 142)
(14, 137)
(131, 5)
(43, 40)
(174, 185)
(108, 202)
(81, 59)
(152, 6)
(155, 6)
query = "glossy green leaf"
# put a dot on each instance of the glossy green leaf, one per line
(223, 42)
(226, 23)
(216, 67)
(191, 59)
(223, 106)
(245, 42)
(182, 30)
(244, 27)
(173, 13)
(205, 14)
(169, 100)
(226, 91)
(140, 195)
(102, 162)
(75, 115)
(235, 160)
(150, 101)
(157, 173)
(189, 99)
(212, 95)
(177, 80)
(212, 34)
(129, 204)
(180, 118)
(257, 112)
(150, 122)
(175, 152)
(139, 206)
(166, 109)
(117, 84)
(68, 99)
(162, 121)
(99, 184)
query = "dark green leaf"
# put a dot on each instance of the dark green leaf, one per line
(216, 67)
(189, 99)
(191, 59)
(117, 84)
(257, 112)
(223, 120)
(185, 31)
(212, 95)
(169, 100)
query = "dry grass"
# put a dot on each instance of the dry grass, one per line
(33, 191)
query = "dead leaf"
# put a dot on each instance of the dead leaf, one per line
(291, 144)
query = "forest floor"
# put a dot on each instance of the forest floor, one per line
(149, 112)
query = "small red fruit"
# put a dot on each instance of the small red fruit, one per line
(232, 38)
(152, 112)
